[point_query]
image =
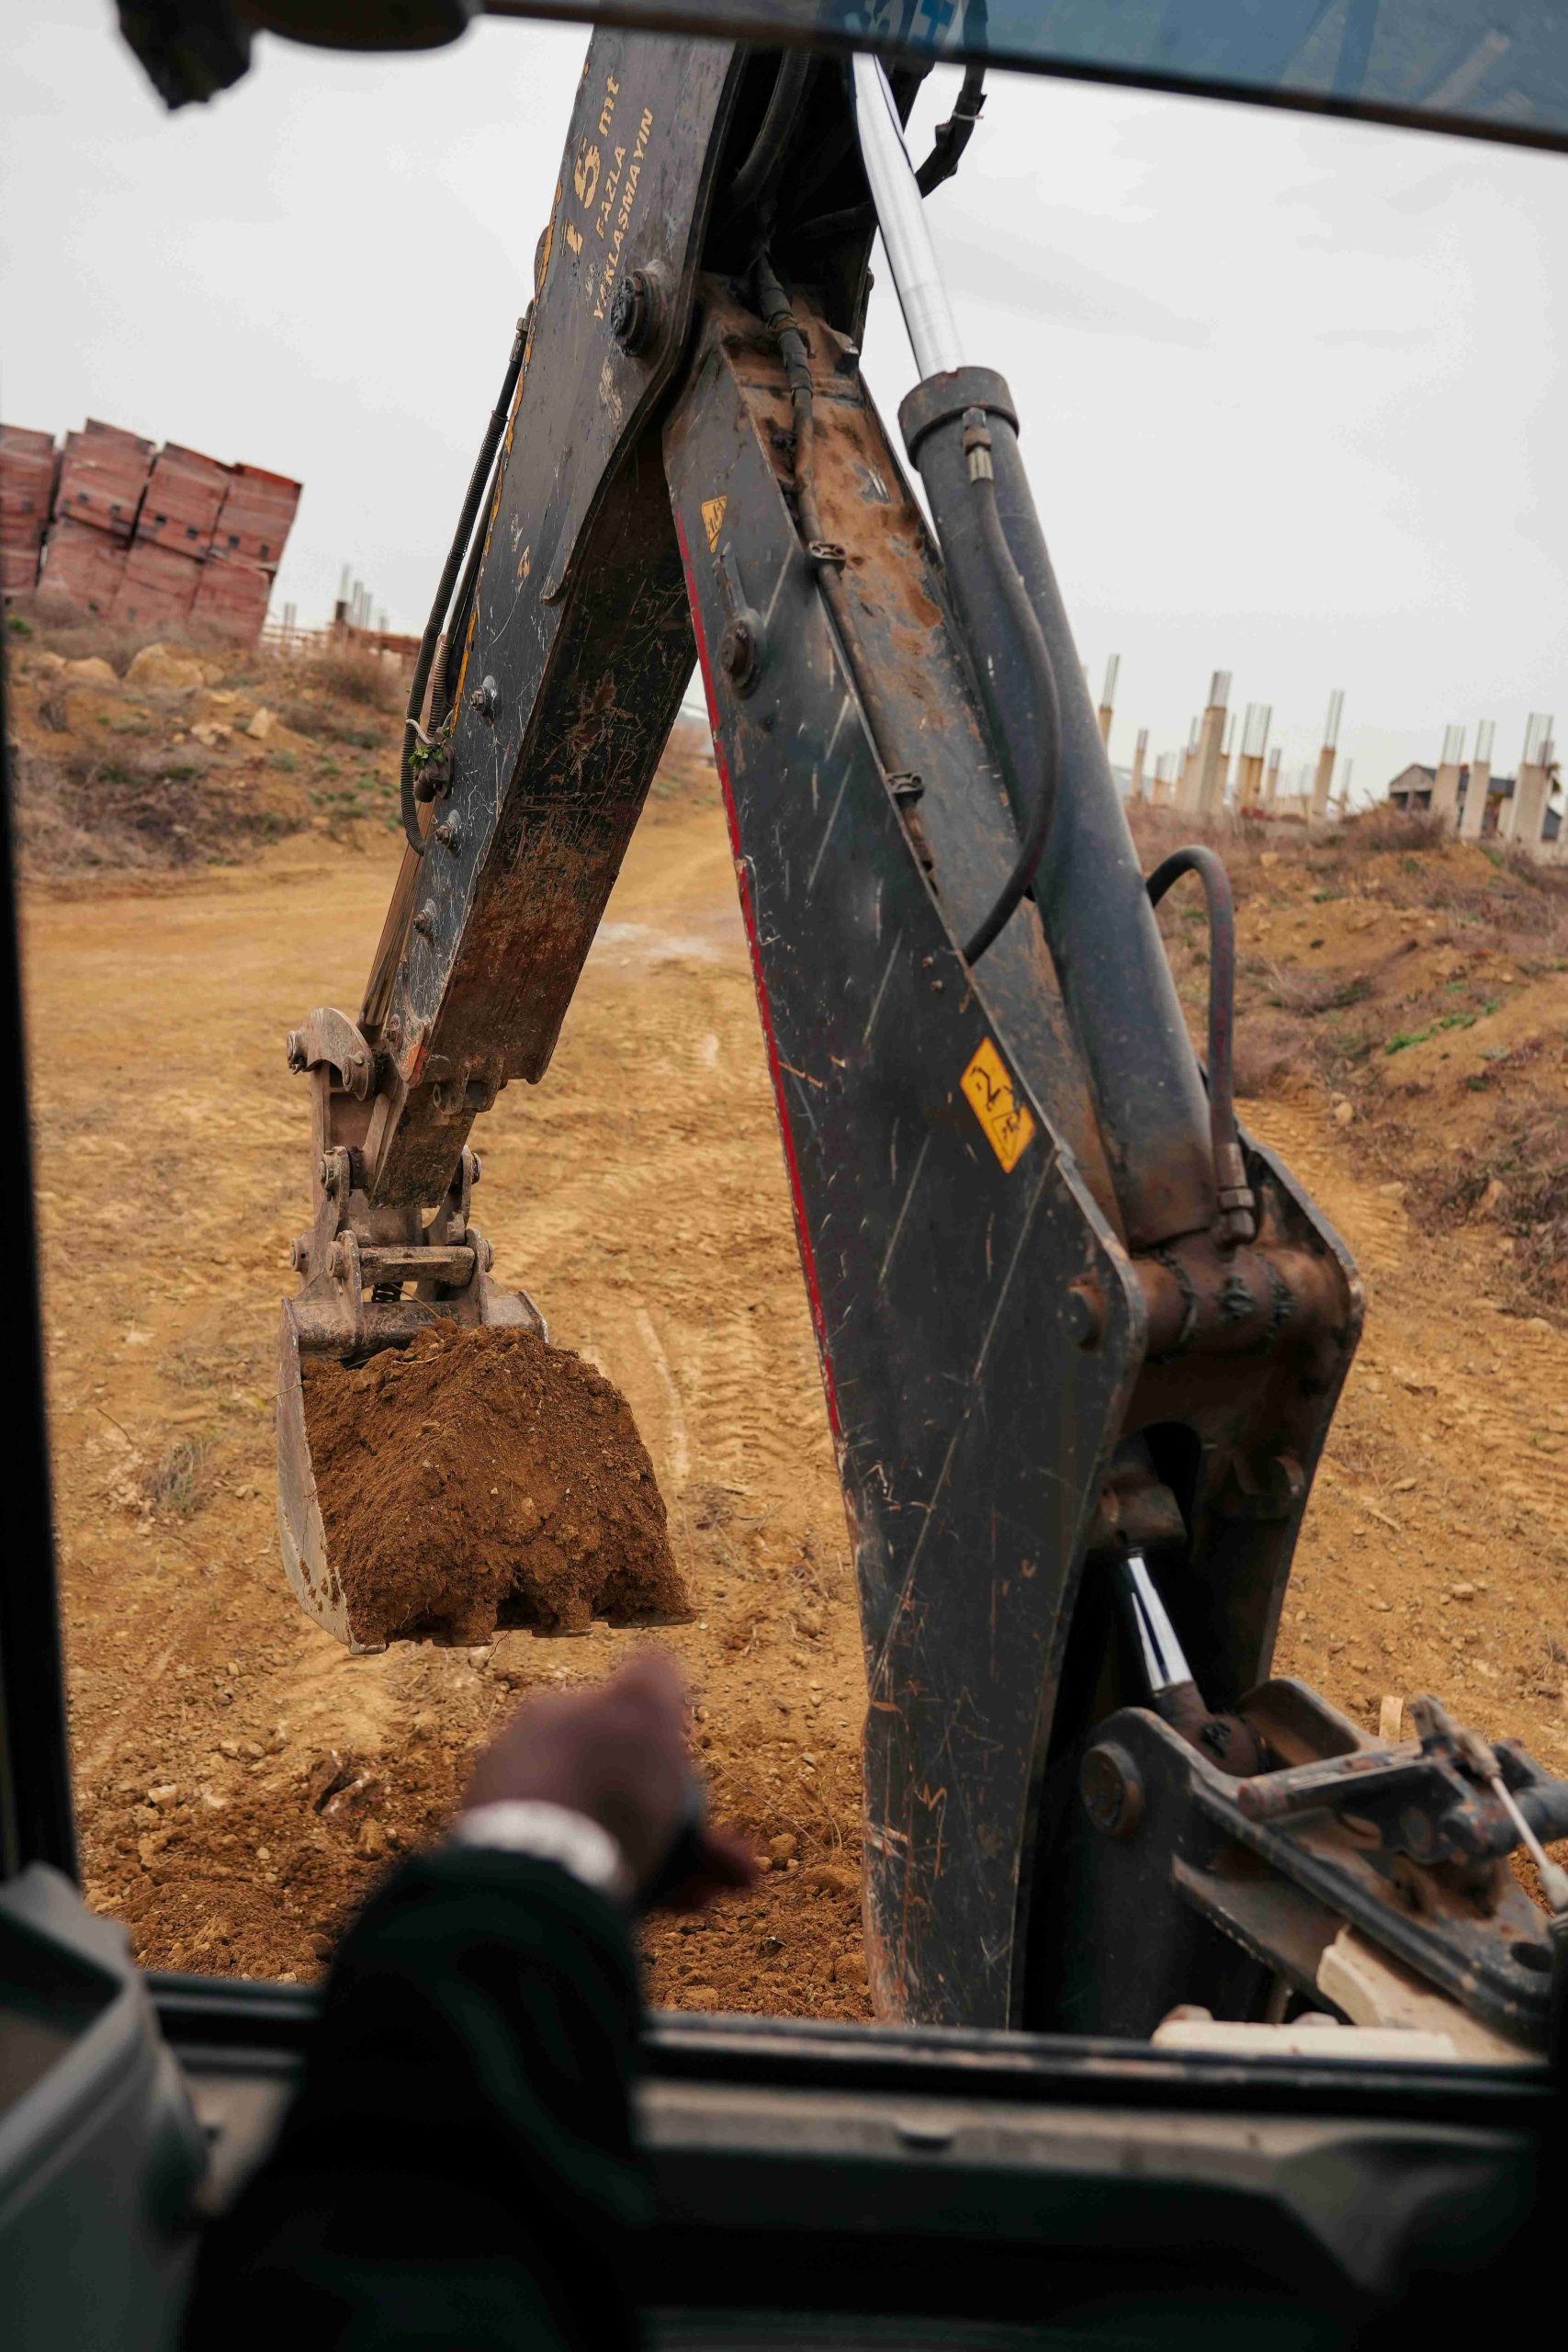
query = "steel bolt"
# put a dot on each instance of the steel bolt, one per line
(299, 1253)
(635, 312)
(740, 651)
(327, 1171)
(485, 698)
(296, 1049)
(1082, 1315)
(1112, 1790)
(477, 1169)
(447, 833)
(424, 922)
(1416, 1832)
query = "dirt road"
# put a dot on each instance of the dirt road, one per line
(241, 1780)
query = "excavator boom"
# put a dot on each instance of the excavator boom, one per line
(1081, 1341)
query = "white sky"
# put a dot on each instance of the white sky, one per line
(1290, 389)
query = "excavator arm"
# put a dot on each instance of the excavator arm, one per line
(1081, 1341)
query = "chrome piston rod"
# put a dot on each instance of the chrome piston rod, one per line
(901, 217)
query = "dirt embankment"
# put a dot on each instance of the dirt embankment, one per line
(241, 1779)
(1420, 986)
(149, 757)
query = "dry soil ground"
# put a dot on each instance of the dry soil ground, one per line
(241, 1778)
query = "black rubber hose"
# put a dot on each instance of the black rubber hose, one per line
(463, 605)
(472, 500)
(1237, 1203)
(954, 135)
(753, 183)
(950, 138)
(1047, 720)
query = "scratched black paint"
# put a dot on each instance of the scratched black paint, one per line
(971, 1433)
(579, 619)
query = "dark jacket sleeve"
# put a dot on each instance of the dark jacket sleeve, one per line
(456, 2170)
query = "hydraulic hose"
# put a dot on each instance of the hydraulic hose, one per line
(463, 605)
(1237, 1206)
(948, 143)
(472, 500)
(754, 183)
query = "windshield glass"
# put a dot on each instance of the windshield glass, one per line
(1495, 67)
(1287, 404)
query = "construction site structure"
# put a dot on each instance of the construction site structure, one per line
(1253, 743)
(1524, 815)
(1187, 768)
(1445, 797)
(161, 537)
(1478, 785)
(1140, 755)
(1108, 699)
(1323, 782)
(1203, 783)
(1210, 745)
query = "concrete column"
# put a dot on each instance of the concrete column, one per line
(1108, 699)
(1140, 754)
(1187, 777)
(1478, 789)
(1445, 789)
(1323, 782)
(1532, 786)
(1209, 787)
(1225, 749)
(1253, 743)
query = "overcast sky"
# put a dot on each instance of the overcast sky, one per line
(1291, 390)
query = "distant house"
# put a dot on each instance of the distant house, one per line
(1411, 790)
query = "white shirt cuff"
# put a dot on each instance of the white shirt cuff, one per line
(550, 1833)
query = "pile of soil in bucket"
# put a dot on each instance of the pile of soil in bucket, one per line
(478, 1479)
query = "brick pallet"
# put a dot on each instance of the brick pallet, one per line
(159, 538)
(28, 467)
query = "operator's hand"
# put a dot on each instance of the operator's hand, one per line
(618, 1753)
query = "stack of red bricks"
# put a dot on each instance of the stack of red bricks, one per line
(29, 463)
(103, 473)
(155, 537)
(247, 543)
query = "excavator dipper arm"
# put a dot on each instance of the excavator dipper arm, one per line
(1080, 1341)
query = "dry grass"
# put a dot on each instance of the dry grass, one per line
(359, 678)
(138, 808)
(110, 780)
(52, 625)
(179, 1481)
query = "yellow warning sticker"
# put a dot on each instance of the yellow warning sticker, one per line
(712, 519)
(1009, 1122)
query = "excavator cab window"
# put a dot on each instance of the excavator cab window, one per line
(1195, 2003)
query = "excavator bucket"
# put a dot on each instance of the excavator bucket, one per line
(373, 1279)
